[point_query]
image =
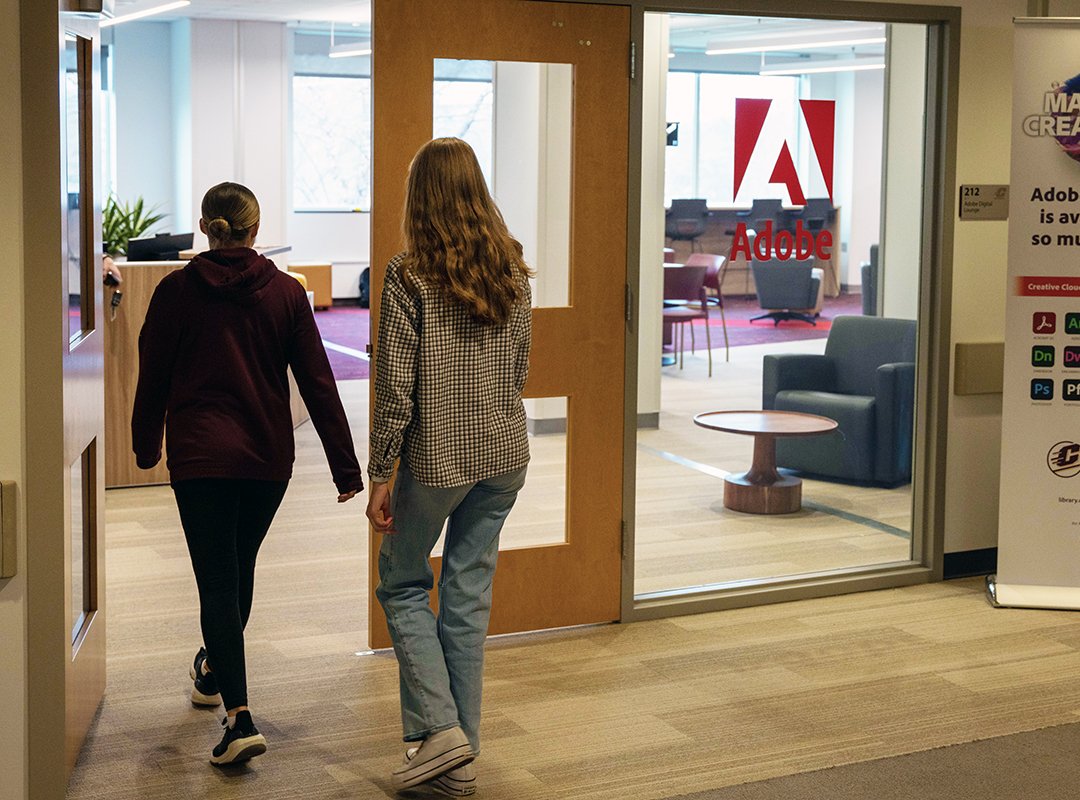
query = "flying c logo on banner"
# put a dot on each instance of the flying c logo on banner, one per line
(820, 116)
(1064, 459)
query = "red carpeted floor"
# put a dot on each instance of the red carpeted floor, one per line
(738, 312)
(345, 330)
(345, 333)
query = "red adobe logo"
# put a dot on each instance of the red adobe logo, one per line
(820, 116)
(800, 244)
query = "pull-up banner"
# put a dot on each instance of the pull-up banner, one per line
(1039, 514)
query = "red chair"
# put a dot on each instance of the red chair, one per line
(715, 267)
(685, 286)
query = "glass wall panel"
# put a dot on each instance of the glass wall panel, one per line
(780, 304)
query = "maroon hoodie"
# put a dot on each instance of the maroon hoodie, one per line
(213, 350)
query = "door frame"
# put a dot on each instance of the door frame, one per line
(934, 323)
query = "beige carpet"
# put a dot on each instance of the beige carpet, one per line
(1040, 765)
(627, 712)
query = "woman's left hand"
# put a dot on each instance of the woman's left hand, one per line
(378, 509)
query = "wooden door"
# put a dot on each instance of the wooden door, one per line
(79, 259)
(577, 350)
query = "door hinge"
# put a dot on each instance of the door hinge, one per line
(628, 307)
(625, 541)
(633, 59)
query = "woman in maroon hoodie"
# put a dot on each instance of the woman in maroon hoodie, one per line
(213, 353)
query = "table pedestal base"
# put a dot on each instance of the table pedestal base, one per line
(743, 493)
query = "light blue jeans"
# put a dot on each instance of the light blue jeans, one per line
(441, 660)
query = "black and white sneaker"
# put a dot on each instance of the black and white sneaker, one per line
(240, 742)
(204, 692)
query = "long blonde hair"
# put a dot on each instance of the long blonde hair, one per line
(455, 235)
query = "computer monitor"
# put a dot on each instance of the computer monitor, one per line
(163, 247)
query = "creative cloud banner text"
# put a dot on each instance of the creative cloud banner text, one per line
(1039, 516)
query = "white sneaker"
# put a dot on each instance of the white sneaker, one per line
(459, 782)
(438, 754)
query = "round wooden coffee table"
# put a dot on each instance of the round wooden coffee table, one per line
(763, 490)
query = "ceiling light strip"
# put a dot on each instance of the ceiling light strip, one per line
(346, 51)
(147, 12)
(808, 70)
(771, 48)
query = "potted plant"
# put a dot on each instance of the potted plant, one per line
(121, 222)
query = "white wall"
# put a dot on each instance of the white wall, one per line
(13, 667)
(532, 143)
(863, 211)
(239, 115)
(979, 270)
(342, 239)
(180, 86)
(145, 141)
(654, 70)
(901, 246)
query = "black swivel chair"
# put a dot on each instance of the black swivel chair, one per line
(762, 211)
(686, 221)
(816, 214)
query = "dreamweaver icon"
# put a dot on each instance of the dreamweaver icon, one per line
(1064, 459)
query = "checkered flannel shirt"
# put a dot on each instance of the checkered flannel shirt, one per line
(447, 390)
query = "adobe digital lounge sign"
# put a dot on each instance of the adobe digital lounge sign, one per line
(820, 117)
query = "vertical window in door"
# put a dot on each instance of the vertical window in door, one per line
(518, 118)
(78, 260)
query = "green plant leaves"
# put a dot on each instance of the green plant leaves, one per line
(121, 222)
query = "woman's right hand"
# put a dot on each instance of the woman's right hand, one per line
(378, 509)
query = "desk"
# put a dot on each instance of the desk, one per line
(122, 374)
(268, 250)
(763, 490)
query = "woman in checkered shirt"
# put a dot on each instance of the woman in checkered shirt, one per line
(451, 360)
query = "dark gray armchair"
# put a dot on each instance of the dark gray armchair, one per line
(787, 290)
(866, 382)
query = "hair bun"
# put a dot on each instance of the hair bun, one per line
(219, 228)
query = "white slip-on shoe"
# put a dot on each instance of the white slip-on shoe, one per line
(436, 755)
(458, 782)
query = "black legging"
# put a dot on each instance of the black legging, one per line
(225, 521)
